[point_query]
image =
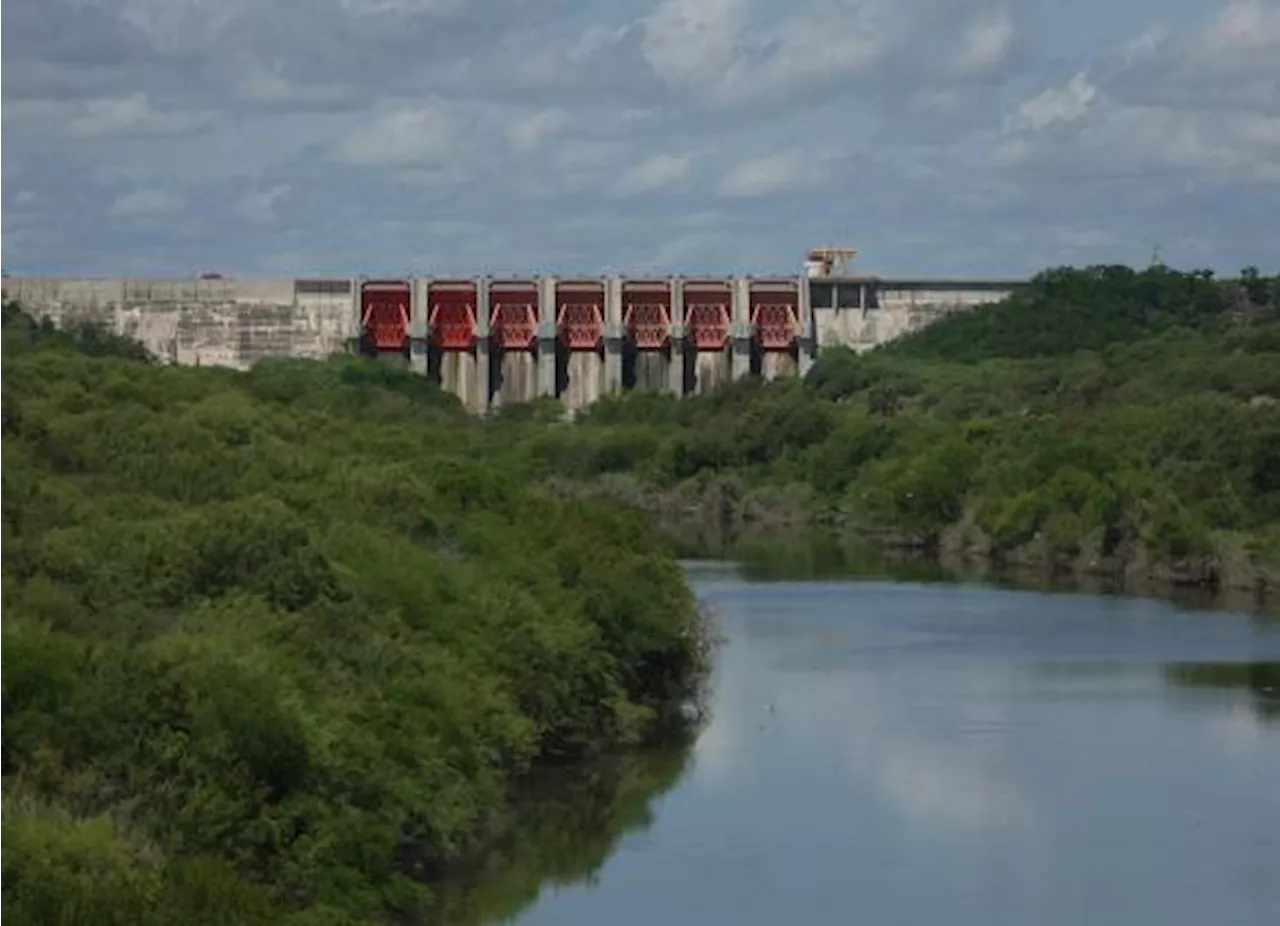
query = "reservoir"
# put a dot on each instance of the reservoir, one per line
(904, 753)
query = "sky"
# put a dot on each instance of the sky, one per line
(939, 137)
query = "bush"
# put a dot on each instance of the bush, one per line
(280, 643)
(1051, 420)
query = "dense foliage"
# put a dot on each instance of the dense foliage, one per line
(277, 644)
(1103, 416)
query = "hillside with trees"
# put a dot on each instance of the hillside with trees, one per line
(1103, 419)
(281, 646)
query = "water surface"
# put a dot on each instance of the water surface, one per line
(893, 753)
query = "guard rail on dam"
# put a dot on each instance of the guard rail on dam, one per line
(494, 341)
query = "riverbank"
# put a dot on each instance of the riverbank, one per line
(789, 535)
(1105, 422)
(280, 647)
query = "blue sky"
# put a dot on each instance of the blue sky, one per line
(940, 137)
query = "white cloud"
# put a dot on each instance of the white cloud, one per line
(1145, 45)
(769, 174)
(133, 116)
(986, 43)
(660, 170)
(178, 27)
(530, 131)
(146, 203)
(1057, 104)
(1204, 104)
(1248, 25)
(693, 40)
(424, 135)
(809, 51)
(866, 114)
(399, 8)
(269, 87)
(708, 48)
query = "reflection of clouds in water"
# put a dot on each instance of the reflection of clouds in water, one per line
(933, 763)
(1239, 732)
(928, 761)
(736, 718)
(914, 753)
(713, 752)
(870, 742)
(933, 788)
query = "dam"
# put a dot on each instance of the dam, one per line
(494, 341)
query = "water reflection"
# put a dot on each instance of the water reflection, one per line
(563, 826)
(1260, 679)
(823, 555)
(905, 753)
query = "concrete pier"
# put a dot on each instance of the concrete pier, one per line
(776, 364)
(615, 336)
(711, 369)
(677, 343)
(495, 342)
(547, 385)
(483, 349)
(740, 330)
(519, 379)
(584, 378)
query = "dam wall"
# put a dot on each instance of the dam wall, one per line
(494, 341)
(861, 313)
(231, 323)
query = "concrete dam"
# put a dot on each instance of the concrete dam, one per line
(493, 341)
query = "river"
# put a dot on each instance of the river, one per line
(908, 753)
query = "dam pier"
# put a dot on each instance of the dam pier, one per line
(500, 340)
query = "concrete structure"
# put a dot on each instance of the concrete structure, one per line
(494, 341)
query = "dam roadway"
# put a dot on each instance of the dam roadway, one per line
(501, 340)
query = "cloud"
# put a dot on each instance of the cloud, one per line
(133, 116)
(693, 40)
(1201, 105)
(1249, 25)
(175, 27)
(1056, 104)
(987, 43)
(409, 137)
(529, 131)
(771, 173)
(259, 206)
(708, 48)
(653, 173)
(394, 9)
(269, 87)
(939, 136)
(146, 203)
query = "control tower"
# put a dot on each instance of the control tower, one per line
(822, 263)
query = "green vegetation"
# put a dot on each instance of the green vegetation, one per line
(280, 646)
(1103, 418)
(286, 645)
